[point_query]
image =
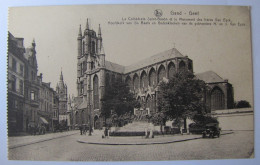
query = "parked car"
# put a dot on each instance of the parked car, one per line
(211, 130)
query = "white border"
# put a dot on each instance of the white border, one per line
(255, 18)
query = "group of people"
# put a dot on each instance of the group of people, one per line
(84, 129)
(34, 129)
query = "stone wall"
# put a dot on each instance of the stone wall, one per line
(236, 119)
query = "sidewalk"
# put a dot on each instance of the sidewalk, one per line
(97, 139)
(18, 141)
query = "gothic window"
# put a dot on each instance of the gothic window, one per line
(96, 92)
(82, 68)
(93, 47)
(81, 88)
(171, 70)
(181, 66)
(107, 79)
(113, 78)
(92, 65)
(217, 99)
(161, 73)
(136, 82)
(144, 80)
(129, 82)
(152, 78)
(83, 47)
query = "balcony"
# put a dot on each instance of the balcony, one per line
(35, 103)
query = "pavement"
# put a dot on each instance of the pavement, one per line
(97, 139)
(19, 141)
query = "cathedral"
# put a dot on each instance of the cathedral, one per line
(94, 72)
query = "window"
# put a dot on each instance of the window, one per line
(32, 95)
(21, 87)
(81, 68)
(93, 47)
(82, 88)
(21, 69)
(14, 65)
(13, 83)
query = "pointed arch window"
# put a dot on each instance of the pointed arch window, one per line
(96, 92)
(161, 73)
(171, 70)
(152, 78)
(217, 99)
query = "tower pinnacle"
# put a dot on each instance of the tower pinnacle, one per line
(80, 33)
(61, 76)
(99, 31)
(87, 25)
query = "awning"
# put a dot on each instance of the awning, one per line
(44, 120)
(83, 105)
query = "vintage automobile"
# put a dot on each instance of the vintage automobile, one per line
(211, 130)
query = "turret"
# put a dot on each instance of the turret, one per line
(87, 25)
(99, 42)
(102, 57)
(79, 42)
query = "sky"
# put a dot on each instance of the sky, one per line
(225, 50)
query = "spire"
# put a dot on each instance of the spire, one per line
(87, 26)
(80, 33)
(33, 43)
(61, 76)
(99, 31)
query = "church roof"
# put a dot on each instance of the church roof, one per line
(114, 67)
(172, 53)
(209, 77)
(77, 101)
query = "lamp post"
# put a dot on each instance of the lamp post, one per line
(89, 108)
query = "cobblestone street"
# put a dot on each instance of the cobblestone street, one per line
(240, 144)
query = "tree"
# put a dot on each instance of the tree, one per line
(181, 97)
(242, 104)
(118, 102)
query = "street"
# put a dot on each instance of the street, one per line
(240, 144)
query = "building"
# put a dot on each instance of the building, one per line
(30, 100)
(16, 71)
(47, 112)
(62, 94)
(94, 73)
(31, 87)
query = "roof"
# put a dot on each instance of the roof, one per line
(172, 53)
(114, 67)
(77, 100)
(83, 105)
(209, 77)
(169, 54)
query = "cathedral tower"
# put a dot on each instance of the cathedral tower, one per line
(61, 90)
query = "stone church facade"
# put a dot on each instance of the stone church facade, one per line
(143, 77)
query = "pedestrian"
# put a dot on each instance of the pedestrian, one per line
(106, 132)
(80, 128)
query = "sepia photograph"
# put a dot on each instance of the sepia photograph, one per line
(130, 83)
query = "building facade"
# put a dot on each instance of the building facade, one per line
(16, 71)
(30, 100)
(94, 73)
(62, 93)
